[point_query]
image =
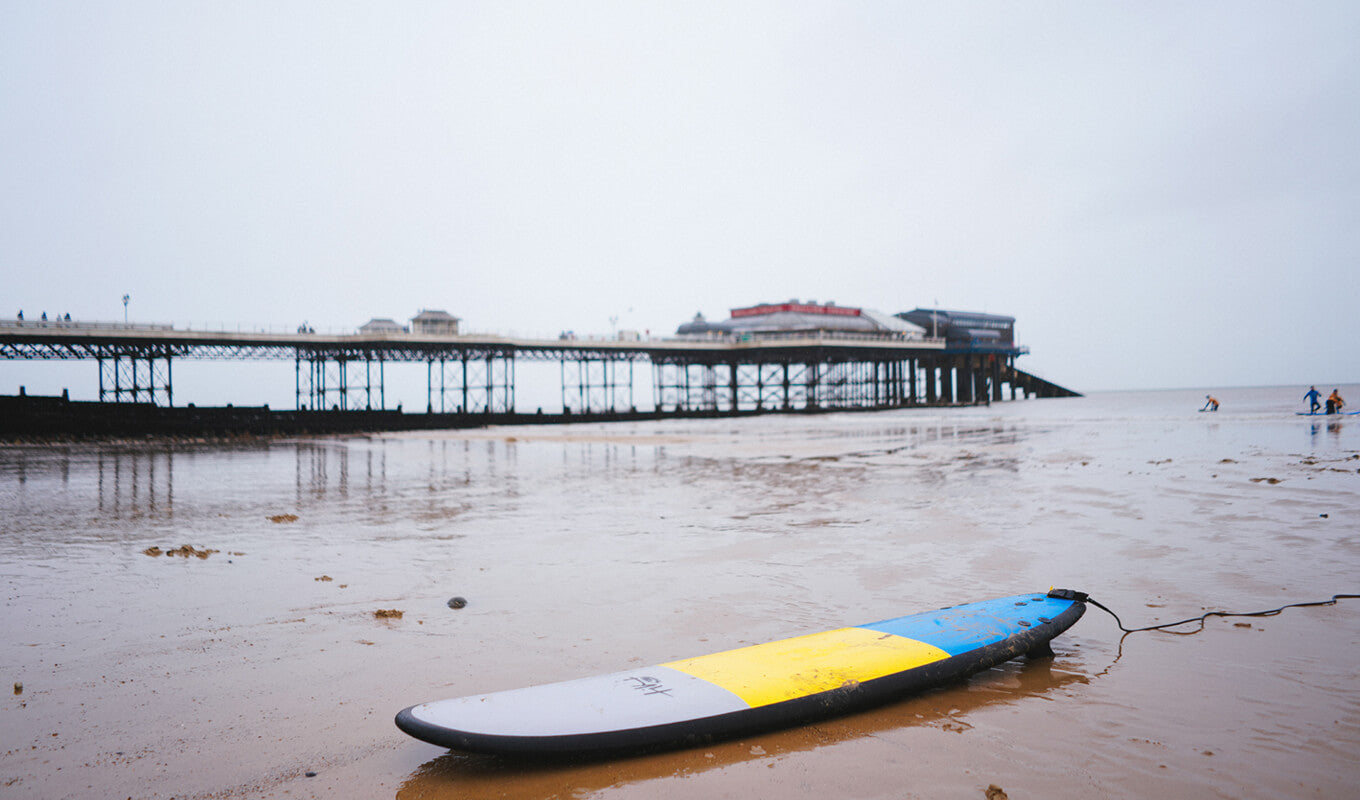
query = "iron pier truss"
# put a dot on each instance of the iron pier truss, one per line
(475, 374)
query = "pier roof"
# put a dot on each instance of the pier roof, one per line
(794, 315)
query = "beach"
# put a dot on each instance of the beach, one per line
(201, 619)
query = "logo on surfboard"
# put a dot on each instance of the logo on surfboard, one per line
(648, 685)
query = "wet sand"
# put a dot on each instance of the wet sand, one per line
(235, 667)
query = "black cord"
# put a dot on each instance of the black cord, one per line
(1201, 618)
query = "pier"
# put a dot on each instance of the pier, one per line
(470, 379)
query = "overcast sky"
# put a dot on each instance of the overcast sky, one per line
(1165, 194)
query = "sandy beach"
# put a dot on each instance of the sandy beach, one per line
(255, 663)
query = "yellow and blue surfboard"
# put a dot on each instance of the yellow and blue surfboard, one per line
(749, 689)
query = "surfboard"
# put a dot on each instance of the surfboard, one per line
(1325, 414)
(749, 689)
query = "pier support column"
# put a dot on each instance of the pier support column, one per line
(732, 386)
(135, 377)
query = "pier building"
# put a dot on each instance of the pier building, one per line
(965, 331)
(794, 316)
(380, 325)
(434, 323)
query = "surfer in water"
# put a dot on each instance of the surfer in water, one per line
(1334, 402)
(1210, 404)
(1312, 396)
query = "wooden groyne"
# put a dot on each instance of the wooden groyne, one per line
(42, 418)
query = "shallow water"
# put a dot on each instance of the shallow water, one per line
(590, 548)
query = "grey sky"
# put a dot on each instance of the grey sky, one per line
(1163, 194)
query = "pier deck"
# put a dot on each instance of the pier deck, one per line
(474, 374)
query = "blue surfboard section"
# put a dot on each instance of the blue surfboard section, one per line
(976, 624)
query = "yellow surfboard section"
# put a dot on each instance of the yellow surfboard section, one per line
(792, 668)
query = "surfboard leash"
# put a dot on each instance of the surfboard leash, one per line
(1069, 594)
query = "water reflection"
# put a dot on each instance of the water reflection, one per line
(134, 485)
(1333, 427)
(428, 479)
(459, 775)
(314, 465)
(23, 463)
(126, 483)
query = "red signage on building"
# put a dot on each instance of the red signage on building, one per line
(801, 308)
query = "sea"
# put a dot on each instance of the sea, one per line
(223, 619)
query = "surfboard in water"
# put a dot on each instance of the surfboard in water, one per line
(749, 689)
(1325, 414)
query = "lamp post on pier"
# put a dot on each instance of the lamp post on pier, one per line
(126, 298)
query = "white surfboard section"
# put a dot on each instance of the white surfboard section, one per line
(604, 703)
